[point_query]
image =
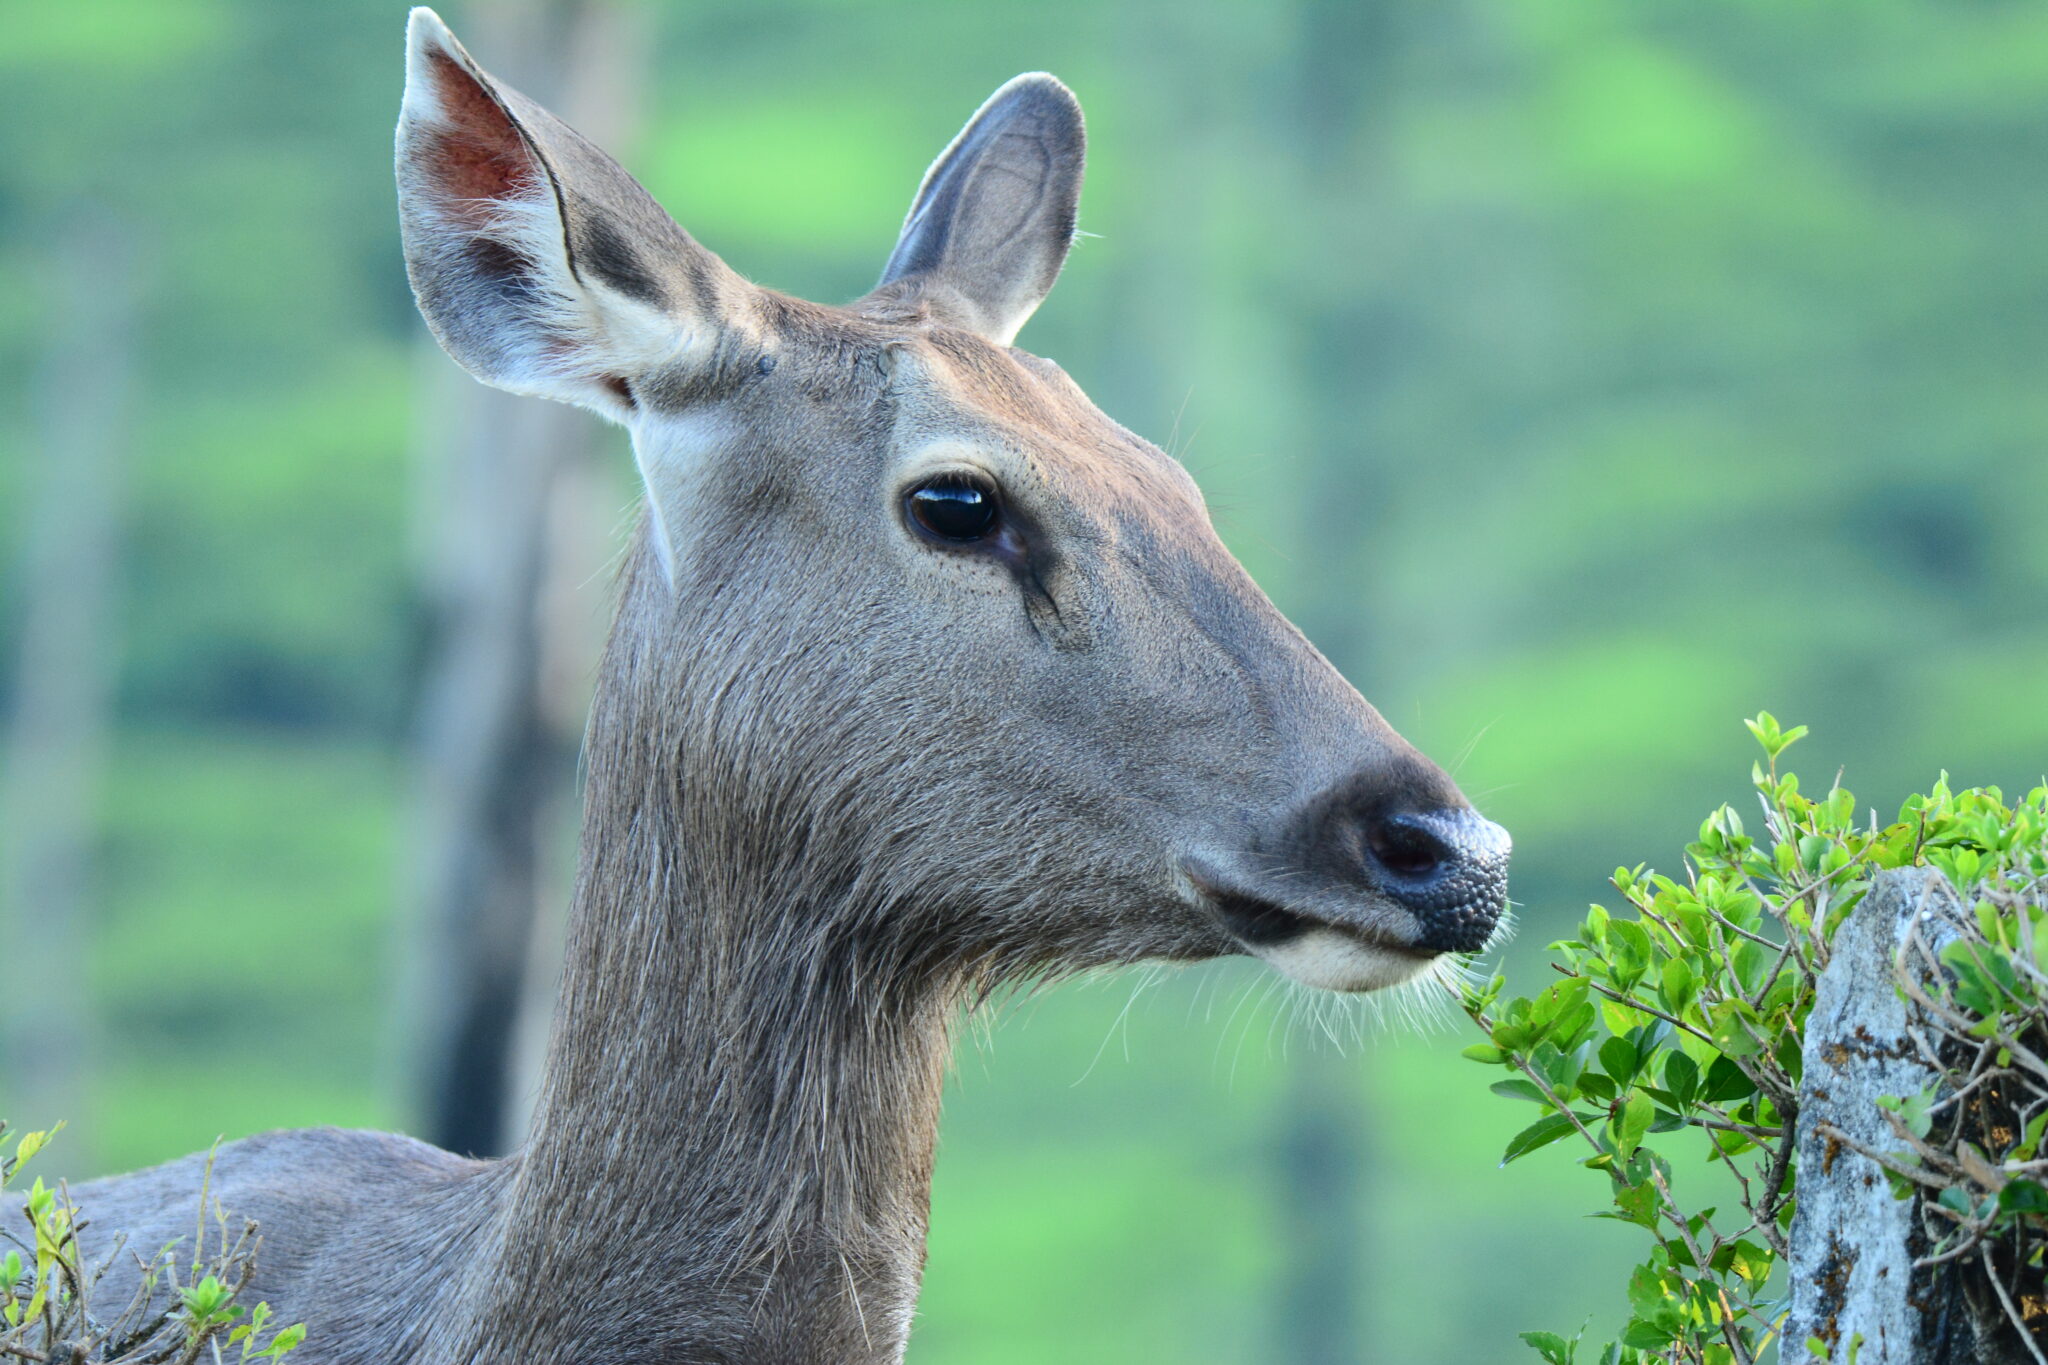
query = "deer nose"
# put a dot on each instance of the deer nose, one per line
(1447, 867)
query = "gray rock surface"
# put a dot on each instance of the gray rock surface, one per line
(1852, 1243)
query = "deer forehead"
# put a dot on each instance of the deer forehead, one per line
(1022, 421)
(804, 388)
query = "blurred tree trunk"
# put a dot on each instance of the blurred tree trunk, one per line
(64, 673)
(516, 519)
(1312, 302)
(1325, 1154)
(1348, 62)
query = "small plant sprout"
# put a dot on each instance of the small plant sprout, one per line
(47, 1307)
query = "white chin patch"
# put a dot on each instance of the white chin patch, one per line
(1331, 961)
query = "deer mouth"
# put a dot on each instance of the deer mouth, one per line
(1355, 894)
(1325, 952)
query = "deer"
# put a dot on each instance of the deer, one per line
(926, 679)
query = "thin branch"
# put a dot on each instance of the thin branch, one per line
(2005, 1301)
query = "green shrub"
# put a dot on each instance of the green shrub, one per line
(1680, 1020)
(48, 1287)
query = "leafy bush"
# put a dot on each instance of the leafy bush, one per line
(47, 1287)
(1681, 1018)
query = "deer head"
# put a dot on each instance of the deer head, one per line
(911, 630)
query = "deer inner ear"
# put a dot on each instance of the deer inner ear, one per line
(478, 153)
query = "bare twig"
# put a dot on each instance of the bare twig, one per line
(2005, 1301)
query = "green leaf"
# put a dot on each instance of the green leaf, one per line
(1620, 1018)
(1682, 1079)
(1550, 1062)
(1646, 1336)
(1554, 1349)
(2030, 1140)
(1638, 1204)
(1678, 985)
(287, 1340)
(1912, 1111)
(1743, 909)
(1517, 1088)
(1749, 960)
(1628, 948)
(1655, 1296)
(1573, 1023)
(2024, 1197)
(1726, 1082)
(1541, 1133)
(1735, 1029)
(1633, 1122)
(1744, 1258)
(1732, 1144)
(31, 1143)
(1618, 1058)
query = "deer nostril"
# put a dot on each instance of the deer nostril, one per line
(1449, 868)
(1407, 850)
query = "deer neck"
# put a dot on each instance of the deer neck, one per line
(733, 1144)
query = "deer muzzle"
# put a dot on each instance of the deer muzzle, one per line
(1356, 893)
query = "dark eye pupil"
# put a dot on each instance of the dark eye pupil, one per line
(954, 511)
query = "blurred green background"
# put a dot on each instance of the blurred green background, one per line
(1583, 375)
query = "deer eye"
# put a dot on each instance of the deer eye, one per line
(954, 508)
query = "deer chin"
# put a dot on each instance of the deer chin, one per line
(1334, 960)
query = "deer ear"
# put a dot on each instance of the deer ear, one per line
(539, 264)
(991, 224)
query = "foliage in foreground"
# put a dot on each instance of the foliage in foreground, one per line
(48, 1287)
(1680, 1020)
